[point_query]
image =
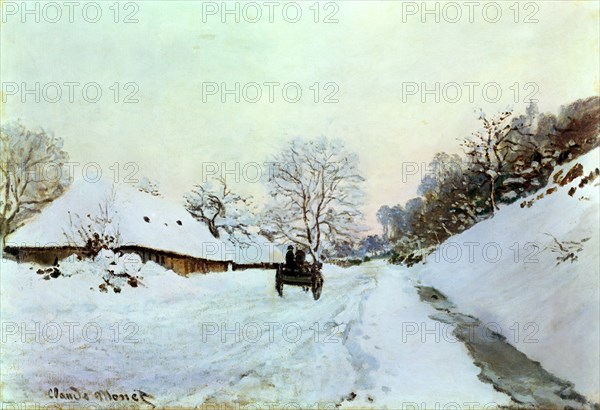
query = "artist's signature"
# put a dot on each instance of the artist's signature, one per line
(75, 394)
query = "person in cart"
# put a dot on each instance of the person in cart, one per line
(300, 258)
(290, 259)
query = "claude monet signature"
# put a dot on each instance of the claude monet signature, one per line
(75, 394)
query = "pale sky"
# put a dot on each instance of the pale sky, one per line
(371, 55)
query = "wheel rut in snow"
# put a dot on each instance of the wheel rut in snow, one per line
(362, 362)
(502, 365)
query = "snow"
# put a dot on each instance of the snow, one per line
(228, 338)
(130, 209)
(550, 312)
(413, 362)
(369, 342)
(518, 180)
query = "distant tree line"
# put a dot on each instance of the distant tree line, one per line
(510, 157)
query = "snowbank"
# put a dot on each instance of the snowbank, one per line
(505, 271)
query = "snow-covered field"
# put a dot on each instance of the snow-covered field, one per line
(228, 338)
(369, 342)
(549, 312)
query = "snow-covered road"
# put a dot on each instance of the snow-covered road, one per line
(416, 361)
(228, 338)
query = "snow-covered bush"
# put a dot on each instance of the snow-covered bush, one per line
(118, 270)
(95, 232)
(110, 269)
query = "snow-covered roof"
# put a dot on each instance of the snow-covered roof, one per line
(142, 219)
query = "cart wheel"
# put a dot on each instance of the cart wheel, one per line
(279, 282)
(317, 286)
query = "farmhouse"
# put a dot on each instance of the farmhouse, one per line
(155, 228)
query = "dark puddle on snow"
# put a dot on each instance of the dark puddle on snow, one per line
(502, 365)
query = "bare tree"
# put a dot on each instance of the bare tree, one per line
(32, 174)
(491, 149)
(97, 230)
(221, 209)
(315, 190)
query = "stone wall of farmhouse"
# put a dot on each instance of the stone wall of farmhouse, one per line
(43, 256)
(180, 264)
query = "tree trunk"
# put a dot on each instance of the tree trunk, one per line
(3, 233)
(493, 194)
(315, 253)
(213, 229)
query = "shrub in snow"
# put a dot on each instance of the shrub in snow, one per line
(567, 250)
(113, 270)
(97, 242)
(96, 231)
(575, 172)
(52, 272)
(119, 270)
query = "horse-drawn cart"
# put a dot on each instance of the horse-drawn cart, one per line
(308, 276)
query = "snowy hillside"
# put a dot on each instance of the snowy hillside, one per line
(531, 273)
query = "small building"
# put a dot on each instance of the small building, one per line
(155, 228)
